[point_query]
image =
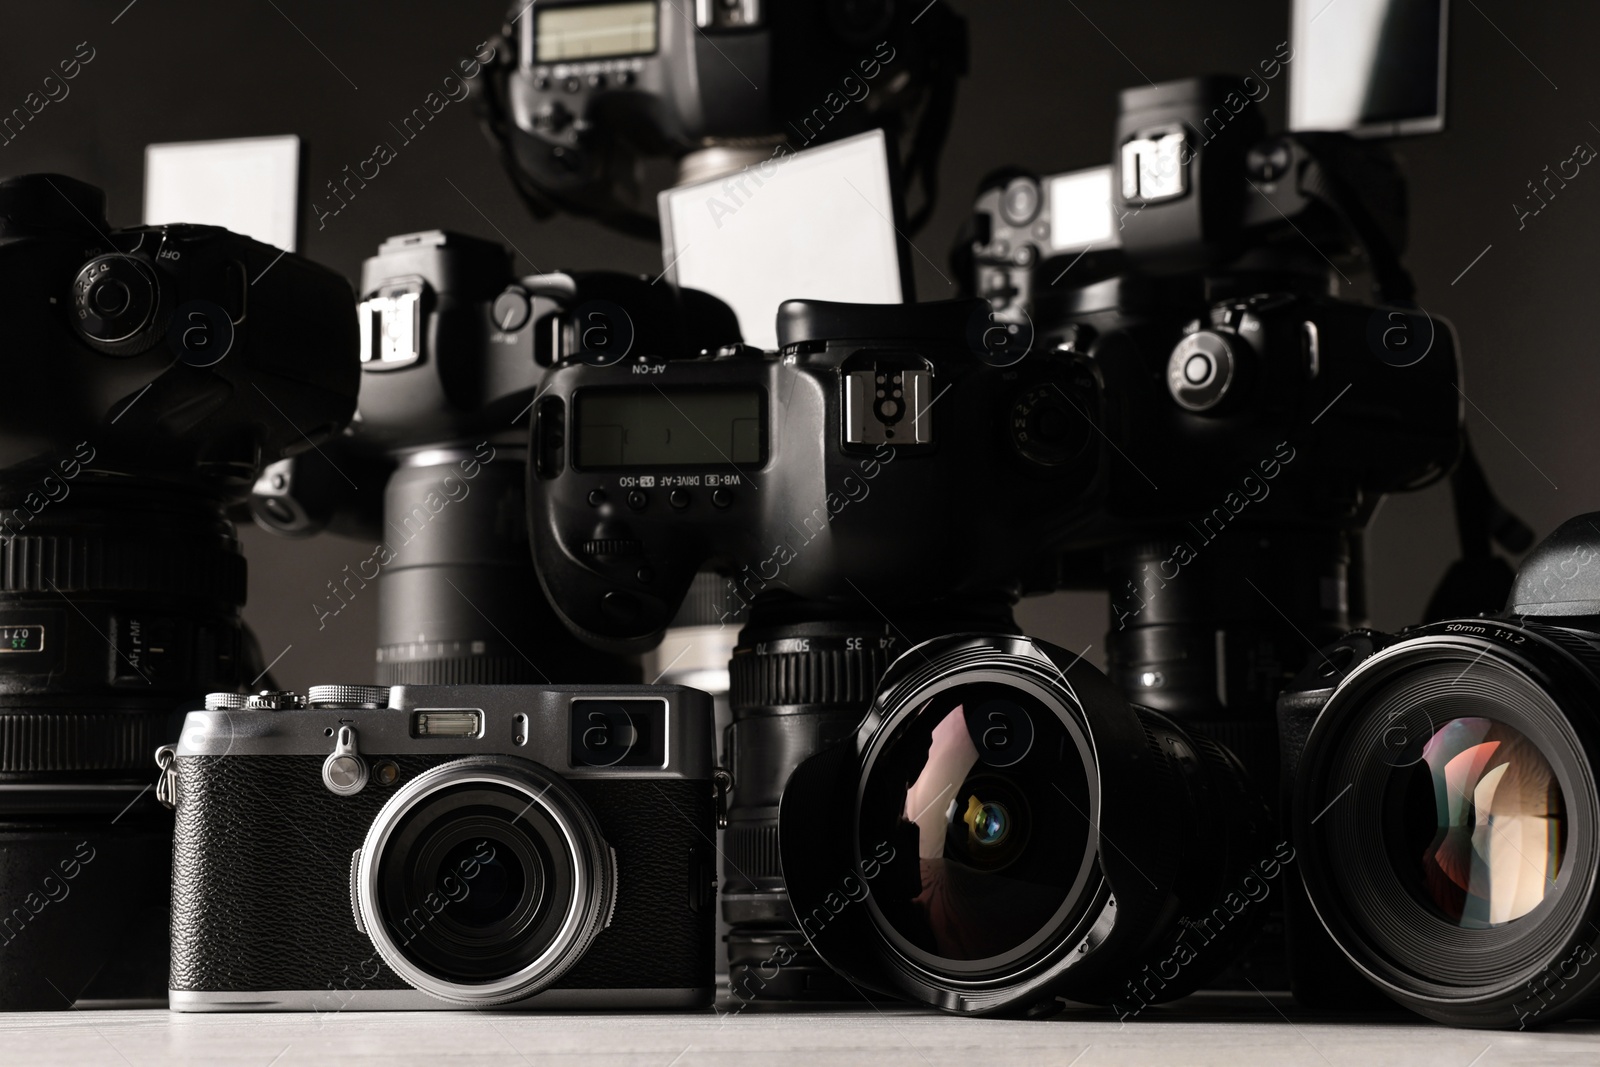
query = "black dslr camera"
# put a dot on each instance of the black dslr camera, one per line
(444, 846)
(1203, 307)
(454, 347)
(590, 102)
(155, 369)
(1194, 279)
(882, 479)
(1442, 783)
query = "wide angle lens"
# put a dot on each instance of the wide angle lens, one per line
(1020, 833)
(1447, 808)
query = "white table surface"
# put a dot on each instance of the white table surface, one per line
(1221, 1030)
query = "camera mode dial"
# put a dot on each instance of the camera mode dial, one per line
(1048, 427)
(118, 304)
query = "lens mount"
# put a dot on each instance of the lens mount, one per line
(1468, 752)
(482, 880)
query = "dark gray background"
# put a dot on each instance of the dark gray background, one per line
(1041, 93)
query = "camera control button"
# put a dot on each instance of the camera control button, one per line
(722, 498)
(645, 575)
(679, 498)
(1202, 370)
(1020, 201)
(511, 310)
(597, 497)
(637, 499)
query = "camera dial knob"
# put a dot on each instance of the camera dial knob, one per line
(1203, 369)
(224, 701)
(1048, 427)
(347, 696)
(118, 304)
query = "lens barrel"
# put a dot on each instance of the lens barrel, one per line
(459, 602)
(795, 689)
(118, 601)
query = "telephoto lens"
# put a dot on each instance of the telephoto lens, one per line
(1005, 829)
(1445, 800)
(139, 407)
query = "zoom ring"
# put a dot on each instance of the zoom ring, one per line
(838, 676)
(52, 564)
(81, 741)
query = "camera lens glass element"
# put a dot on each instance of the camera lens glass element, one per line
(982, 798)
(481, 880)
(1461, 755)
(1483, 818)
(496, 886)
(472, 886)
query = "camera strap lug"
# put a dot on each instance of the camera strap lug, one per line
(167, 784)
(722, 784)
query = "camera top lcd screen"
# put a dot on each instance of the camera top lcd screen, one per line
(667, 427)
(595, 31)
(1373, 68)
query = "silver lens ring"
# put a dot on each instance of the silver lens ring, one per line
(593, 876)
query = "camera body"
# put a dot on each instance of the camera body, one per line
(820, 471)
(189, 313)
(454, 348)
(1441, 783)
(584, 93)
(156, 369)
(519, 846)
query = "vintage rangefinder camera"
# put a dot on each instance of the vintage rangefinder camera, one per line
(1442, 784)
(424, 847)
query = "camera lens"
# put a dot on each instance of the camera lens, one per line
(459, 601)
(1020, 832)
(483, 880)
(118, 602)
(1467, 756)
